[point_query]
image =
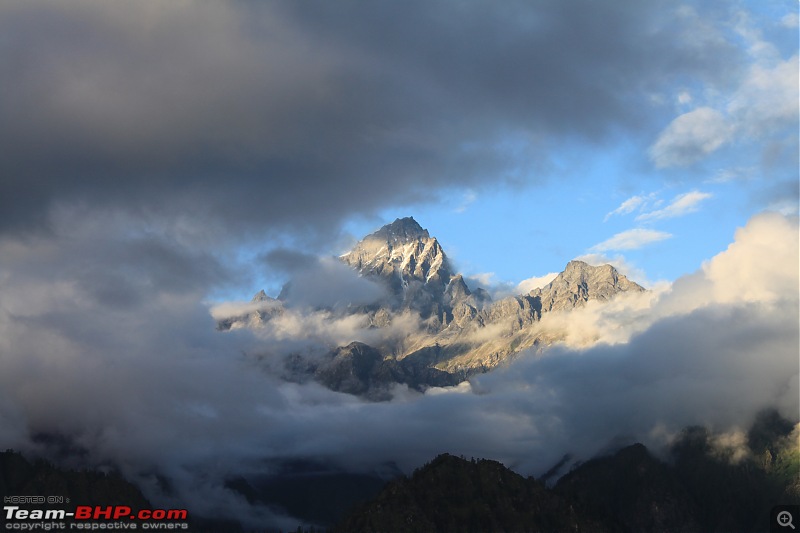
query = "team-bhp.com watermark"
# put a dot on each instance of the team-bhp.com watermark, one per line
(87, 517)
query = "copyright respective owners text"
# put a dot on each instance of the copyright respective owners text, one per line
(56, 513)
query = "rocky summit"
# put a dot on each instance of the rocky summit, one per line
(462, 330)
(579, 283)
(404, 257)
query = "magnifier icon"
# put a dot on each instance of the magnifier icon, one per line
(785, 519)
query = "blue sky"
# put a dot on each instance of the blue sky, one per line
(686, 197)
(529, 231)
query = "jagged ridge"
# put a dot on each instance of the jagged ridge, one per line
(410, 262)
(414, 267)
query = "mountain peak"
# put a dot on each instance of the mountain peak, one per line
(581, 282)
(261, 296)
(580, 270)
(576, 264)
(401, 230)
(405, 256)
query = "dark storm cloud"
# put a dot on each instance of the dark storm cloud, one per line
(111, 261)
(320, 281)
(286, 261)
(263, 115)
(330, 283)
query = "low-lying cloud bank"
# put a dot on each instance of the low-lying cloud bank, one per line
(150, 386)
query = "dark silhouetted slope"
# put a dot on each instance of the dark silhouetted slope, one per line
(20, 477)
(451, 494)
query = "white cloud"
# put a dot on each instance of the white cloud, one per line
(757, 47)
(469, 197)
(628, 206)
(790, 20)
(726, 175)
(681, 205)
(501, 289)
(223, 310)
(631, 239)
(768, 98)
(482, 279)
(786, 207)
(761, 265)
(527, 285)
(690, 137)
(328, 282)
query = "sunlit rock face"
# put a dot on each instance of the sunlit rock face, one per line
(580, 283)
(458, 331)
(411, 263)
